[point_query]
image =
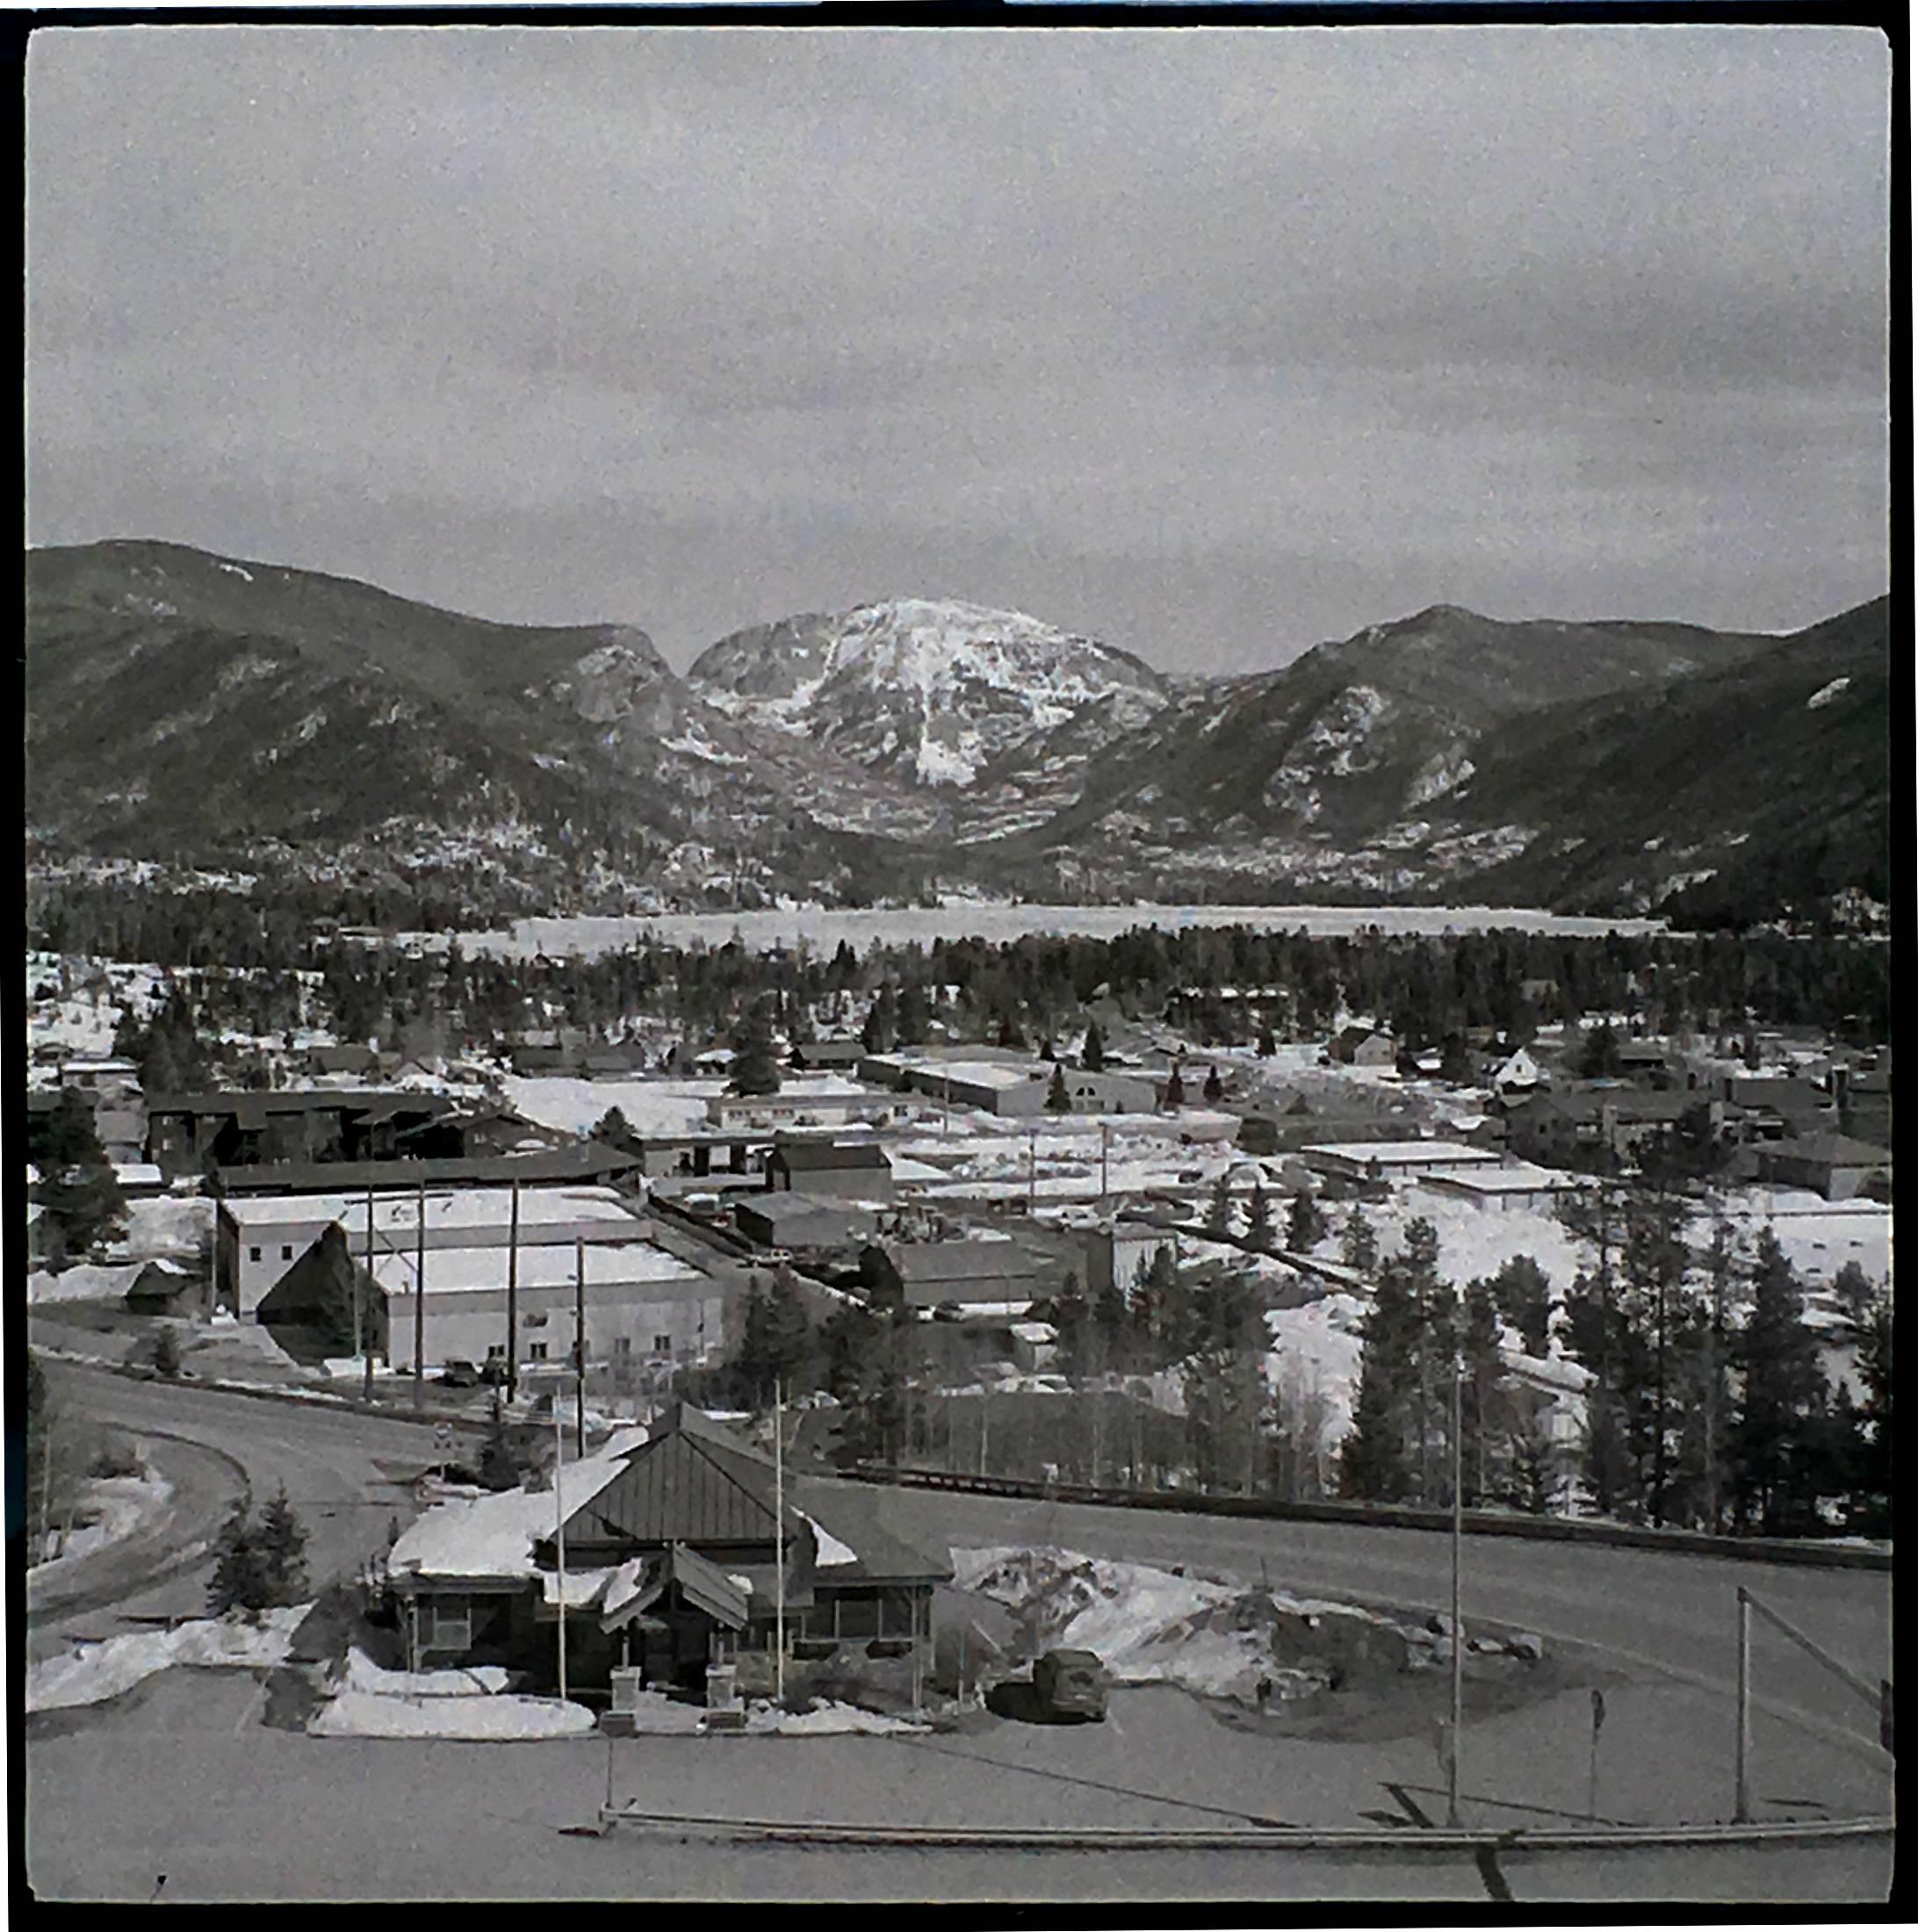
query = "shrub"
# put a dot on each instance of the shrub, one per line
(114, 1457)
(163, 1354)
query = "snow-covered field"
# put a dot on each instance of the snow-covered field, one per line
(92, 1672)
(824, 929)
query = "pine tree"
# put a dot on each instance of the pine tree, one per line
(240, 1579)
(1175, 1091)
(1092, 1053)
(1481, 1403)
(613, 1129)
(1219, 1207)
(1258, 1228)
(1783, 1393)
(1305, 1223)
(1373, 1461)
(1872, 1473)
(1057, 1099)
(282, 1545)
(1267, 1045)
(1523, 1295)
(1358, 1244)
(78, 1189)
(1214, 1087)
(755, 1067)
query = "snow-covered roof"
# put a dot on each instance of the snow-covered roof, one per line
(1404, 1153)
(137, 1174)
(445, 1209)
(493, 1536)
(455, 1271)
(1511, 1177)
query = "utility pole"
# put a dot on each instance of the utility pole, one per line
(559, 1530)
(1105, 1148)
(779, 1537)
(1741, 1805)
(579, 1347)
(512, 1300)
(363, 1342)
(1458, 1626)
(419, 1305)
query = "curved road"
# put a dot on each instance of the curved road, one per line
(1668, 1621)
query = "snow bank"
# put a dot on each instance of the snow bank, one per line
(85, 1283)
(119, 1505)
(1147, 1626)
(358, 1713)
(362, 1676)
(95, 1672)
(827, 1718)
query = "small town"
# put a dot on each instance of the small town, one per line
(958, 965)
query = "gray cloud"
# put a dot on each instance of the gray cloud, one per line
(1214, 343)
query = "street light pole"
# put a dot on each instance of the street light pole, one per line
(559, 1530)
(1458, 1627)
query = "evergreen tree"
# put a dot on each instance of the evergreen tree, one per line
(1305, 1223)
(1214, 1087)
(77, 1188)
(1267, 1045)
(1598, 1053)
(914, 1016)
(1522, 1294)
(1258, 1228)
(1783, 1393)
(613, 1129)
(1057, 1099)
(1856, 1293)
(1359, 1245)
(1534, 1460)
(1111, 1331)
(755, 1066)
(1219, 1207)
(1482, 1407)
(1222, 1384)
(1872, 1472)
(1374, 1460)
(241, 1580)
(1092, 1053)
(282, 1544)
(1175, 1091)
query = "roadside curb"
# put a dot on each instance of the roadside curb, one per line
(1252, 1838)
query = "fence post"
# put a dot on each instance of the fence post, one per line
(1742, 1811)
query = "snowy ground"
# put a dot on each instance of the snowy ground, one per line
(116, 1507)
(92, 1672)
(823, 930)
(651, 1107)
(359, 1713)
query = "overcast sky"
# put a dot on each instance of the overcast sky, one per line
(1210, 343)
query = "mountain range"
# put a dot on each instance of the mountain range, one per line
(202, 709)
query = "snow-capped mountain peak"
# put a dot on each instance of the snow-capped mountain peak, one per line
(929, 689)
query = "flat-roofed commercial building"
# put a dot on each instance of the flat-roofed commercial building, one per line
(1394, 1160)
(641, 1304)
(1510, 1186)
(257, 1240)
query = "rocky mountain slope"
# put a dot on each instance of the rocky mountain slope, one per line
(183, 703)
(938, 694)
(190, 707)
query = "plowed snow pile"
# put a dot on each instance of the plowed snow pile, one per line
(1151, 1626)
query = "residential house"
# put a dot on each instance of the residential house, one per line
(1504, 1187)
(1832, 1164)
(991, 1278)
(1365, 1047)
(167, 1287)
(826, 1055)
(1597, 1123)
(681, 1559)
(848, 1170)
(1119, 1253)
(187, 1133)
(577, 1163)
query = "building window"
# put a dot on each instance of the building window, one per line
(447, 1625)
(286, 1252)
(256, 1254)
(496, 1353)
(536, 1351)
(662, 1344)
(624, 1346)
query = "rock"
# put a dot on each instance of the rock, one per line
(1441, 1651)
(1440, 1623)
(1527, 1645)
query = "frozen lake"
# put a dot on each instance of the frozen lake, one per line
(824, 929)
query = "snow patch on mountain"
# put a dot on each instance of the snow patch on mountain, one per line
(1825, 693)
(1442, 772)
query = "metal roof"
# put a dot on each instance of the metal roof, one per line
(586, 1160)
(815, 1157)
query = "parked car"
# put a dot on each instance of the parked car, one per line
(1070, 1683)
(460, 1374)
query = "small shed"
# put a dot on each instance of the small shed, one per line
(850, 1170)
(166, 1287)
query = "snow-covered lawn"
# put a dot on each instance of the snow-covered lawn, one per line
(118, 1505)
(95, 1672)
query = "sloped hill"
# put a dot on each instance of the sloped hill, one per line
(1766, 781)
